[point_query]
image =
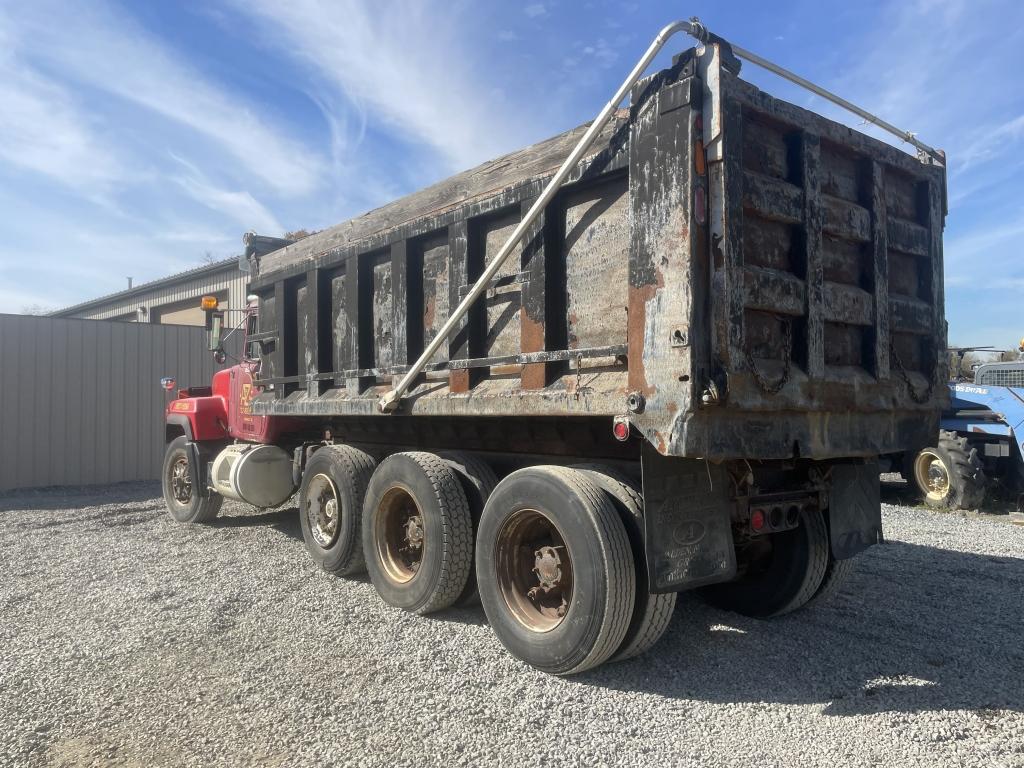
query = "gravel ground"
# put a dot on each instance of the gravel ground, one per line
(129, 640)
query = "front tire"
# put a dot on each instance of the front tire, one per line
(782, 571)
(555, 570)
(950, 475)
(185, 503)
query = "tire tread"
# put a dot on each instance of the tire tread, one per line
(651, 612)
(357, 467)
(619, 559)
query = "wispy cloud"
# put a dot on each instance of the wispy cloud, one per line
(44, 130)
(103, 50)
(997, 247)
(238, 205)
(411, 69)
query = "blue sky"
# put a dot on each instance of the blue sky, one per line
(137, 137)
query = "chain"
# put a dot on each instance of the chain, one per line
(775, 387)
(919, 399)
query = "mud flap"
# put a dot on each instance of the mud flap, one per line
(197, 468)
(854, 509)
(687, 523)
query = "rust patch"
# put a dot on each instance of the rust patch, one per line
(636, 328)
(534, 375)
(458, 381)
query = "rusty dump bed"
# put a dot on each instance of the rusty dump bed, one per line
(740, 277)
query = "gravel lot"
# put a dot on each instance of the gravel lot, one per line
(129, 640)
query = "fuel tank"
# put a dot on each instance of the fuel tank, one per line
(260, 475)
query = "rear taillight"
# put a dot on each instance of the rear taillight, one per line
(757, 520)
(620, 429)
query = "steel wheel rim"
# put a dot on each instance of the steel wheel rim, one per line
(181, 481)
(534, 570)
(400, 535)
(932, 475)
(323, 510)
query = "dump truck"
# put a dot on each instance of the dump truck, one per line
(659, 352)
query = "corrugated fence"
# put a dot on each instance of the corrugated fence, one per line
(81, 402)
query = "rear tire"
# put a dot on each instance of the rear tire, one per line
(651, 613)
(836, 573)
(783, 571)
(331, 507)
(417, 532)
(555, 570)
(184, 502)
(478, 483)
(950, 475)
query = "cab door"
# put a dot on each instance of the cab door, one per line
(242, 423)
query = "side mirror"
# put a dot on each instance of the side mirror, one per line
(219, 356)
(215, 322)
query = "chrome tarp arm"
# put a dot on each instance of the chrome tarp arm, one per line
(924, 151)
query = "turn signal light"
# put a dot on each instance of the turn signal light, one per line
(208, 303)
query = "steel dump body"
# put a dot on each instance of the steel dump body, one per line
(737, 276)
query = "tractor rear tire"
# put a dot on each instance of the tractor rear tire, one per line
(950, 475)
(836, 573)
(184, 502)
(785, 571)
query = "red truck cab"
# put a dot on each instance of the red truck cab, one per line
(223, 410)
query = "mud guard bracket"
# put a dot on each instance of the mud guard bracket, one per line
(687, 522)
(854, 509)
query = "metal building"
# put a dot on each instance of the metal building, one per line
(171, 300)
(81, 401)
(174, 300)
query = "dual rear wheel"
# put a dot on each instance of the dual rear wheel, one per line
(555, 554)
(782, 572)
(550, 551)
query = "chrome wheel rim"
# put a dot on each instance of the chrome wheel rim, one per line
(181, 481)
(534, 570)
(323, 510)
(932, 475)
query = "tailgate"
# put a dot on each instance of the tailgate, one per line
(827, 251)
